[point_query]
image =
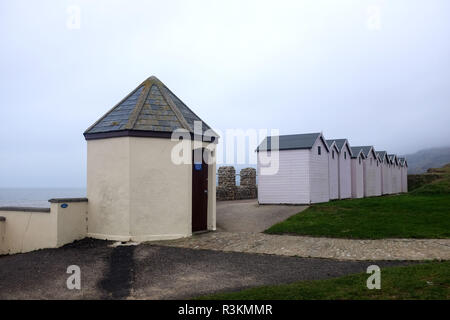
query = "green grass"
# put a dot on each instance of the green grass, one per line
(438, 187)
(424, 281)
(402, 216)
(418, 180)
(423, 213)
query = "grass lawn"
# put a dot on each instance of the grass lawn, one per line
(425, 281)
(423, 213)
(402, 216)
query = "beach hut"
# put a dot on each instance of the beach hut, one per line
(357, 172)
(137, 188)
(404, 174)
(297, 172)
(333, 169)
(395, 174)
(372, 172)
(386, 180)
(344, 168)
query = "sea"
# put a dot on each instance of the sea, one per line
(36, 197)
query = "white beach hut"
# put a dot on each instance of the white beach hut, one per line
(301, 175)
(404, 174)
(395, 174)
(345, 168)
(372, 172)
(333, 169)
(357, 172)
(386, 180)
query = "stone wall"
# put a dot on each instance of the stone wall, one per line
(247, 189)
(227, 189)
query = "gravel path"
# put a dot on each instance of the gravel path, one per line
(155, 272)
(341, 249)
(249, 216)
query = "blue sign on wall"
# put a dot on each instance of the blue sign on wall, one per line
(198, 166)
(64, 205)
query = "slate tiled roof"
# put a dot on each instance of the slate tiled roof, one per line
(330, 143)
(291, 142)
(381, 154)
(117, 118)
(150, 107)
(356, 151)
(365, 150)
(403, 161)
(392, 157)
(340, 143)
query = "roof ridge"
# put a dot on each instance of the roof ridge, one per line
(148, 84)
(161, 87)
(187, 107)
(139, 105)
(296, 134)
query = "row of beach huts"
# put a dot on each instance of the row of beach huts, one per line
(312, 169)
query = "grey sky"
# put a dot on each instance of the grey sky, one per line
(300, 66)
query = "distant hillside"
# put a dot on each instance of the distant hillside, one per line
(435, 182)
(422, 160)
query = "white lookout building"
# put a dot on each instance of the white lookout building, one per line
(135, 191)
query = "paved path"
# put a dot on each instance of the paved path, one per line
(154, 272)
(341, 249)
(248, 216)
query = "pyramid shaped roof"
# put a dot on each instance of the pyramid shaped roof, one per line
(149, 110)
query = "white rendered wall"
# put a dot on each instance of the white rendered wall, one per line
(137, 193)
(25, 230)
(108, 188)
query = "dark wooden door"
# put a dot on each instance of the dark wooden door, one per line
(199, 195)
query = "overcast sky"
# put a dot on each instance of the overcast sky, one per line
(375, 72)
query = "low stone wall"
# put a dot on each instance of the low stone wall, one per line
(247, 189)
(227, 189)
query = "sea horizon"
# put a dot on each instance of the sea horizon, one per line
(37, 196)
